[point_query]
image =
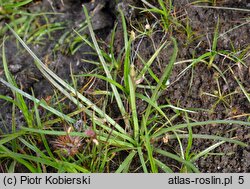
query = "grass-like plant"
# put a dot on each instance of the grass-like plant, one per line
(25, 23)
(136, 136)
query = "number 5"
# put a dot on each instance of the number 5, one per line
(241, 179)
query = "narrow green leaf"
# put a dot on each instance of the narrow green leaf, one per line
(163, 166)
(206, 151)
(126, 163)
(177, 158)
(133, 109)
(58, 82)
(196, 124)
(105, 67)
(144, 166)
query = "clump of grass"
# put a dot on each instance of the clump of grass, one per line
(25, 23)
(136, 135)
(218, 94)
(166, 11)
